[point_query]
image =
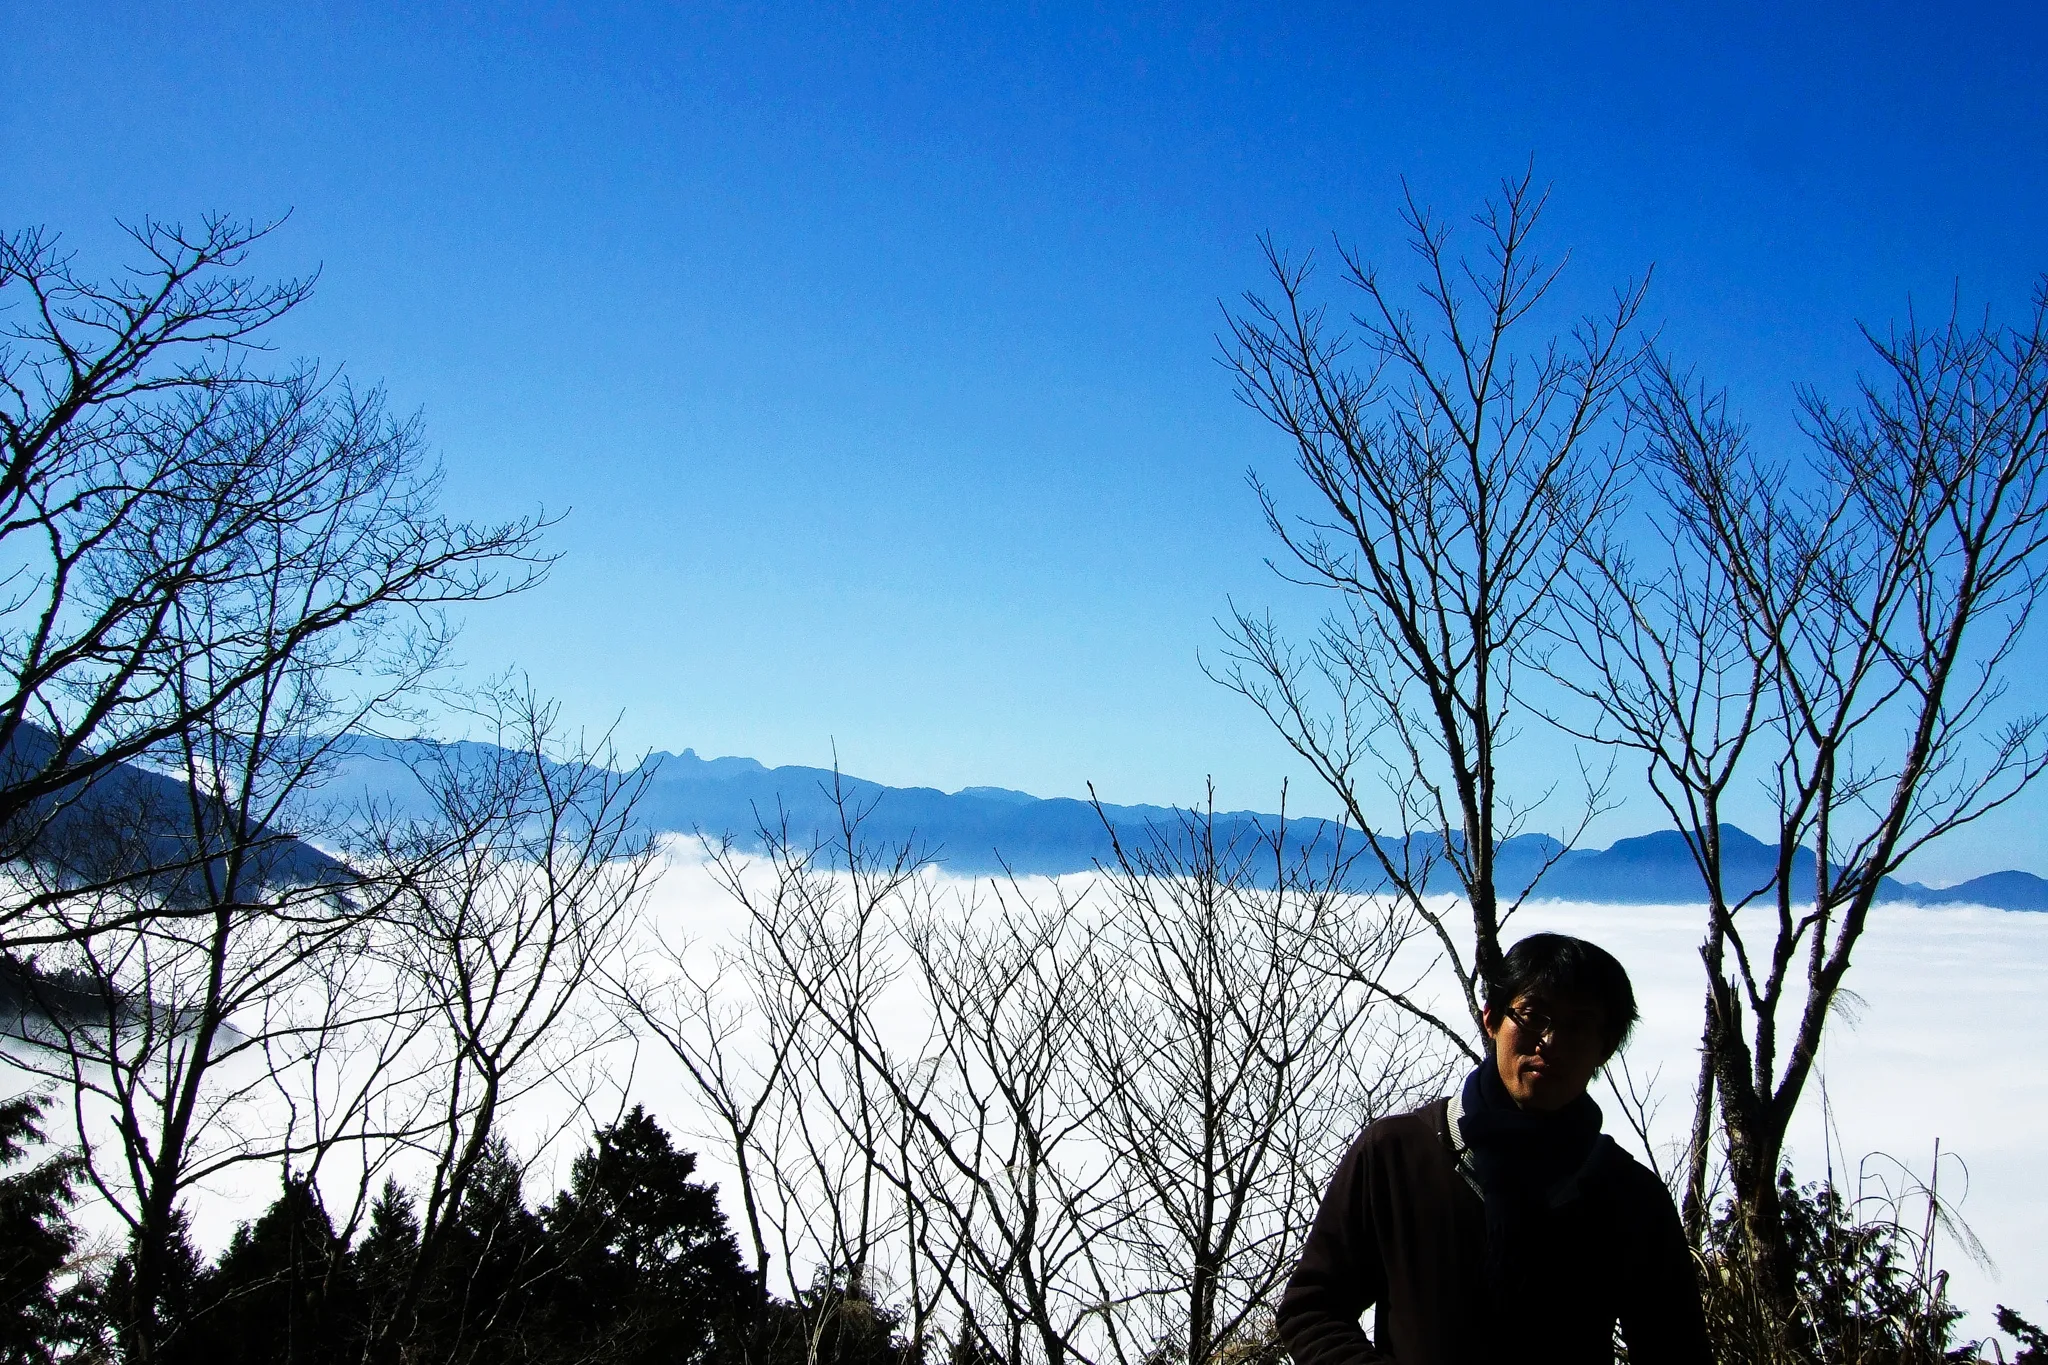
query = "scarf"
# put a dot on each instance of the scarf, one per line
(1527, 1165)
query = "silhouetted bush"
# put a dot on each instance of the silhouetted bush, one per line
(1864, 1292)
(2033, 1340)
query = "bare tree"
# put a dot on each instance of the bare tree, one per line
(819, 950)
(155, 492)
(160, 1042)
(215, 1012)
(801, 1118)
(1833, 633)
(502, 910)
(1672, 671)
(831, 938)
(1234, 1064)
(1078, 1122)
(913, 1114)
(740, 1036)
(1004, 1153)
(1455, 473)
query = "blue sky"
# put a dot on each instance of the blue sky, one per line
(870, 349)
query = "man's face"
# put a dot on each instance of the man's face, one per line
(1547, 1048)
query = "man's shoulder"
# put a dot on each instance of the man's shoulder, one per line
(1397, 1150)
(1418, 1127)
(1623, 1167)
(1630, 1181)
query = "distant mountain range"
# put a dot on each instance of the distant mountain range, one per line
(130, 817)
(987, 830)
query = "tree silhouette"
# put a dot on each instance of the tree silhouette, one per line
(36, 1239)
(647, 1267)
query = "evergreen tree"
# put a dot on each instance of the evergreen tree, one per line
(2033, 1340)
(491, 1280)
(384, 1259)
(169, 1318)
(283, 1293)
(631, 1264)
(647, 1267)
(36, 1238)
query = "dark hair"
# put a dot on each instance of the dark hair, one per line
(1556, 964)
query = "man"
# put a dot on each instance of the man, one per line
(1501, 1225)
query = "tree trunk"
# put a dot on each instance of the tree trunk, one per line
(1712, 952)
(1202, 1314)
(1696, 1211)
(1756, 1151)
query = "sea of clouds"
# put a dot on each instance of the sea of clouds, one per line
(1938, 1045)
(1941, 1044)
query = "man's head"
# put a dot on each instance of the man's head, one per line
(1558, 1008)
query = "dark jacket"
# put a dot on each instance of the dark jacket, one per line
(1401, 1231)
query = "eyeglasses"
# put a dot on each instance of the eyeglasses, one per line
(1566, 1030)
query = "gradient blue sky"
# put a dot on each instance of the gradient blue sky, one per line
(870, 349)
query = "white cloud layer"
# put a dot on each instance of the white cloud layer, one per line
(1937, 1050)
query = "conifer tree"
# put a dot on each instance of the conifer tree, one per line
(36, 1239)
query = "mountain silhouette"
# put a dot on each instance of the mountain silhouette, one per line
(131, 821)
(984, 831)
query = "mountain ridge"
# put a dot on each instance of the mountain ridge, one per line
(983, 830)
